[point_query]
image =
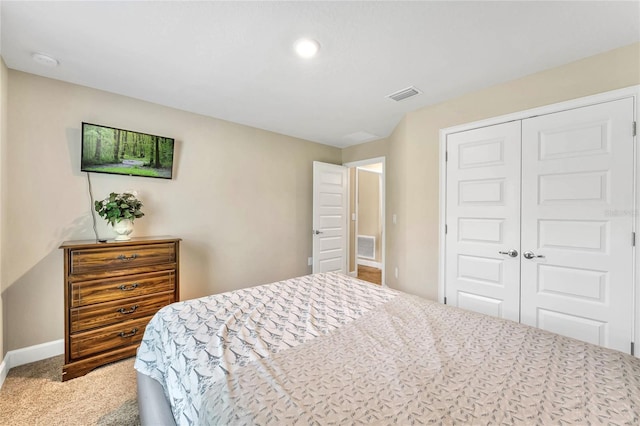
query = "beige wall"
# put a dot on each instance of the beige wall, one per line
(365, 151)
(3, 183)
(413, 180)
(369, 208)
(241, 198)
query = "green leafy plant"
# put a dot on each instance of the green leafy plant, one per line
(117, 207)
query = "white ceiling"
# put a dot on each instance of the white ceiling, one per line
(234, 60)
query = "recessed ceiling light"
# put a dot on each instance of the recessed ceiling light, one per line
(306, 47)
(45, 60)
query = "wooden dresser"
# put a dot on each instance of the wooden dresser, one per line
(111, 292)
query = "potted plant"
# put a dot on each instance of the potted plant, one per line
(120, 210)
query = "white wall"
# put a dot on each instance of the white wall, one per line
(240, 199)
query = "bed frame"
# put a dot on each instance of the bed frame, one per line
(153, 405)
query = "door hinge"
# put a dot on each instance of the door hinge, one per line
(445, 229)
(635, 128)
(633, 239)
(632, 349)
(446, 155)
(445, 302)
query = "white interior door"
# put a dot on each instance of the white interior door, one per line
(577, 212)
(483, 220)
(330, 204)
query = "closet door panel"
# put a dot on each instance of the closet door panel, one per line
(577, 212)
(483, 219)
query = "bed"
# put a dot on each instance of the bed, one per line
(330, 349)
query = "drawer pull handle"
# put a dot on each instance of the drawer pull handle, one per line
(130, 311)
(133, 333)
(125, 287)
(124, 258)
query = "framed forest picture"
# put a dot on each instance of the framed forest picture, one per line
(125, 152)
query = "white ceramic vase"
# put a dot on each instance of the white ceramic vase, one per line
(123, 229)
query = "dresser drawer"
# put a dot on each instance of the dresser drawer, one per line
(107, 338)
(103, 314)
(83, 261)
(89, 292)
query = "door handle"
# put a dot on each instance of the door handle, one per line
(316, 232)
(531, 255)
(512, 253)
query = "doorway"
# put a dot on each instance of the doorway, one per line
(366, 235)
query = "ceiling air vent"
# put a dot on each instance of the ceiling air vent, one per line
(404, 94)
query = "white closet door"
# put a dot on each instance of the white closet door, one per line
(577, 212)
(483, 219)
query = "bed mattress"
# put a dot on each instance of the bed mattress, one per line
(330, 349)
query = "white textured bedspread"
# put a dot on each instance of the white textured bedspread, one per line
(190, 345)
(328, 349)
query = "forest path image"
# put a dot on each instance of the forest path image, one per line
(135, 166)
(111, 150)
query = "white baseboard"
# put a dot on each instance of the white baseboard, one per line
(371, 263)
(29, 354)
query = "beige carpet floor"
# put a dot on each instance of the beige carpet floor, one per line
(33, 394)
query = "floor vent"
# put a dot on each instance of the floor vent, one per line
(404, 94)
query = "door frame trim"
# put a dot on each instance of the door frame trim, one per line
(627, 92)
(383, 199)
